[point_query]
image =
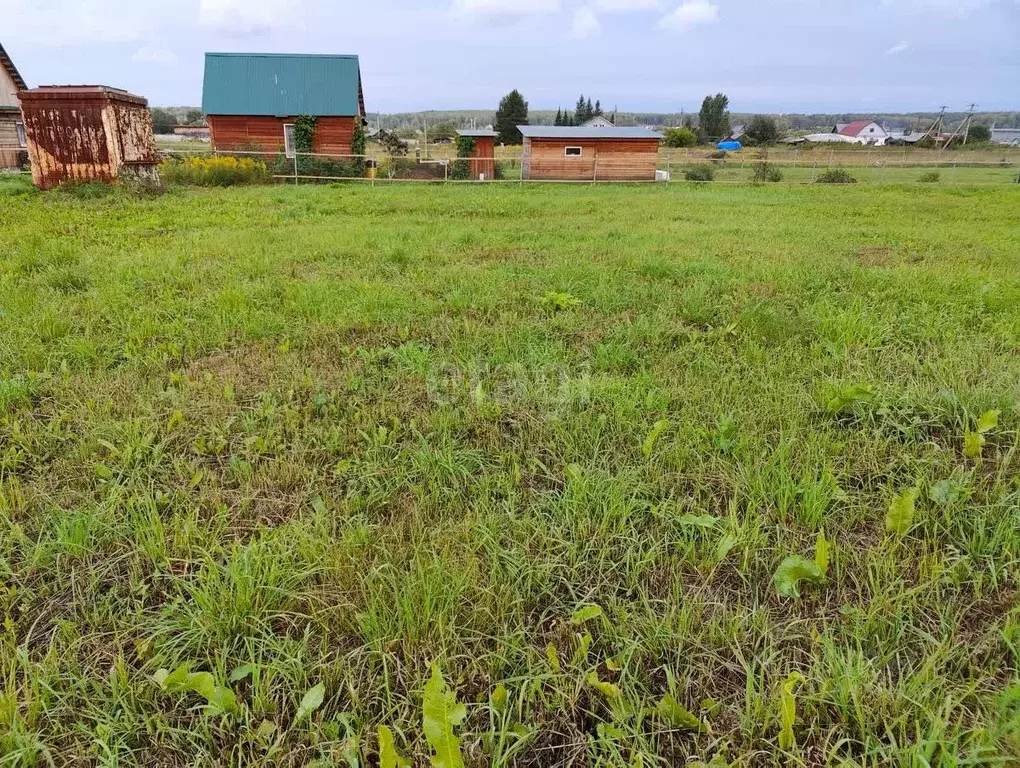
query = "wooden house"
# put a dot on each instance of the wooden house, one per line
(78, 133)
(251, 100)
(589, 154)
(482, 160)
(12, 129)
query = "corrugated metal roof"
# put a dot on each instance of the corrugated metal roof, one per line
(479, 134)
(281, 85)
(580, 132)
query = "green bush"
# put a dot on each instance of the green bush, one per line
(719, 154)
(460, 170)
(835, 176)
(700, 172)
(930, 177)
(764, 171)
(680, 137)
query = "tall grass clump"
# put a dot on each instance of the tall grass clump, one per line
(700, 172)
(835, 176)
(214, 171)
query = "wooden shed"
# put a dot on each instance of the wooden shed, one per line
(566, 153)
(12, 131)
(483, 158)
(251, 100)
(78, 133)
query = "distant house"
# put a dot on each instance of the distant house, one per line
(599, 121)
(199, 132)
(12, 129)
(1008, 136)
(736, 134)
(864, 131)
(589, 154)
(253, 99)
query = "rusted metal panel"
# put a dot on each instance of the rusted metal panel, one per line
(87, 133)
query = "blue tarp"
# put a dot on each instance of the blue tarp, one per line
(729, 146)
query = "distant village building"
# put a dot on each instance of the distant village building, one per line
(599, 121)
(12, 129)
(199, 132)
(864, 131)
(1008, 136)
(78, 133)
(483, 159)
(589, 154)
(251, 100)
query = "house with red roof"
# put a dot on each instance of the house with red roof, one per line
(864, 131)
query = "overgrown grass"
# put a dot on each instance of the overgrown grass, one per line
(557, 439)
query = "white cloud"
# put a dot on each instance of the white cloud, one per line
(155, 54)
(503, 11)
(57, 23)
(628, 6)
(690, 14)
(586, 23)
(248, 18)
(954, 9)
(900, 47)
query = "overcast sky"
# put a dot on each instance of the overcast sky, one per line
(639, 55)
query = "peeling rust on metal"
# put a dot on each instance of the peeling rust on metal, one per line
(87, 133)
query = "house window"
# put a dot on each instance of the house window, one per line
(288, 139)
(871, 130)
(21, 135)
(572, 151)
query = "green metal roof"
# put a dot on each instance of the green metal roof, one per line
(281, 85)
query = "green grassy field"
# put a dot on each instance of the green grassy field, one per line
(578, 448)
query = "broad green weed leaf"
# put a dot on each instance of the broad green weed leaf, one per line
(722, 549)
(792, 571)
(223, 701)
(973, 442)
(678, 717)
(264, 733)
(498, 699)
(388, 755)
(900, 516)
(586, 613)
(310, 702)
(609, 690)
(175, 681)
(554, 657)
(581, 652)
(612, 665)
(653, 437)
(946, 492)
(574, 474)
(848, 396)
(245, 670)
(788, 711)
(989, 420)
(823, 547)
(699, 521)
(440, 714)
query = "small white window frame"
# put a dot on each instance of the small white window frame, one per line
(22, 139)
(568, 153)
(288, 140)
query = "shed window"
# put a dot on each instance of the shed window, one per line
(288, 139)
(21, 135)
(572, 151)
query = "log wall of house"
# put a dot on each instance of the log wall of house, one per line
(332, 134)
(11, 155)
(600, 159)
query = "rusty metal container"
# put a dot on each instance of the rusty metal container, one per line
(78, 133)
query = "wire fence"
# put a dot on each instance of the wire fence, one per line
(797, 165)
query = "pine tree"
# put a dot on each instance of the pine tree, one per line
(598, 108)
(513, 111)
(579, 111)
(589, 111)
(559, 117)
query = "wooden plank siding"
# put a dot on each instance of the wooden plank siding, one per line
(600, 159)
(483, 158)
(11, 154)
(228, 132)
